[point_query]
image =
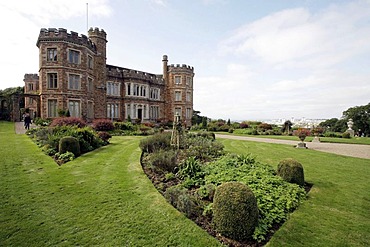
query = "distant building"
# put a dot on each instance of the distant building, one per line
(73, 75)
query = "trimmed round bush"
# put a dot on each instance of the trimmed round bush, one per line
(69, 144)
(291, 171)
(235, 211)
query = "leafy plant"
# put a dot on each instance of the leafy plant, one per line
(275, 197)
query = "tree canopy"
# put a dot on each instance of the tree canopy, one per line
(360, 116)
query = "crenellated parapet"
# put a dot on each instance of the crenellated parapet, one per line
(30, 77)
(180, 68)
(98, 33)
(61, 34)
(119, 72)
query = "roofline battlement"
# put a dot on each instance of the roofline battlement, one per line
(30, 77)
(182, 67)
(61, 34)
(134, 74)
(97, 32)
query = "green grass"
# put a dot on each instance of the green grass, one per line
(337, 210)
(353, 140)
(103, 198)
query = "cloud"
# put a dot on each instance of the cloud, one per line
(159, 2)
(298, 38)
(23, 20)
(39, 11)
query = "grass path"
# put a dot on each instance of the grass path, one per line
(100, 199)
(337, 212)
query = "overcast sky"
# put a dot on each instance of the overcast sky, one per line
(252, 59)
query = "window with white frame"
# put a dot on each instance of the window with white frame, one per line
(177, 95)
(52, 79)
(177, 79)
(30, 86)
(128, 88)
(112, 110)
(145, 108)
(73, 56)
(188, 96)
(74, 82)
(188, 113)
(154, 112)
(188, 81)
(90, 109)
(74, 107)
(128, 111)
(51, 54)
(90, 84)
(154, 93)
(140, 90)
(113, 88)
(52, 108)
(90, 62)
(178, 111)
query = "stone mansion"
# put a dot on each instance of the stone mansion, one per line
(73, 74)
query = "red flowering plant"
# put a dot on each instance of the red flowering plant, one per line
(302, 133)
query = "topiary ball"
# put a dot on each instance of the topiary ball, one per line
(291, 171)
(71, 144)
(235, 211)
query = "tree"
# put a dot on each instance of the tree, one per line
(287, 126)
(335, 125)
(197, 119)
(360, 116)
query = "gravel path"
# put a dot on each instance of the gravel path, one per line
(353, 150)
(19, 127)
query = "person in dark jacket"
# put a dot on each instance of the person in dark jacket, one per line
(27, 121)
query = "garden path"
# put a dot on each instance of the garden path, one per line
(353, 150)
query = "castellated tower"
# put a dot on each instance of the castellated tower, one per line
(179, 91)
(72, 68)
(99, 38)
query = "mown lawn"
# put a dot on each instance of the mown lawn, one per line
(102, 198)
(337, 212)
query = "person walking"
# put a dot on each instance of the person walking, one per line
(27, 121)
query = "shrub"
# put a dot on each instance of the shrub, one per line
(41, 121)
(201, 148)
(69, 121)
(159, 141)
(183, 201)
(163, 160)
(243, 125)
(291, 171)
(103, 125)
(346, 135)
(235, 211)
(265, 126)
(105, 136)
(124, 126)
(71, 144)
